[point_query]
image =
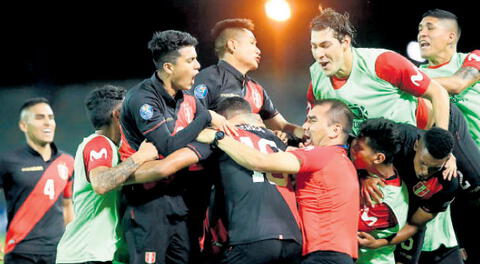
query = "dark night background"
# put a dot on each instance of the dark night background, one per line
(61, 52)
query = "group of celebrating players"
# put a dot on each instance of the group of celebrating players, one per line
(197, 166)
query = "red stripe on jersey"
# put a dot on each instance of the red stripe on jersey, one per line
(438, 66)
(185, 113)
(125, 149)
(39, 201)
(97, 153)
(254, 96)
(472, 60)
(378, 217)
(154, 127)
(68, 191)
(421, 114)
(400, 72)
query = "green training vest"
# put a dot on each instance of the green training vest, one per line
(94, 234)
(396, 197)
(440, 232)
(468, 100)
(365, 93)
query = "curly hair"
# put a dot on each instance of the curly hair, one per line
(100, 103)
(219, 32)
(339, 23)
(439, 142)
(383, 136)
(164, 45)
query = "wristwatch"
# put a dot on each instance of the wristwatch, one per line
(219, 135)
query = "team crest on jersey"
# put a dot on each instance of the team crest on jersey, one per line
(201, 91)
(98, 155)
(420, 189)
(62, 170)
(146, 111)
(150, 257)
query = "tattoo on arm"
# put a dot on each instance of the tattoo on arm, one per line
(116, 176)
(468, 74)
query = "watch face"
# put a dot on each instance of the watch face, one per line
(219, 135)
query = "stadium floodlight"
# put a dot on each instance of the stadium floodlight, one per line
(278, 10)
(413, 51)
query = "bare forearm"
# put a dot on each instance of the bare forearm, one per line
(242, 154)
(68, 214)
(160, 169)
(440, 104)
(109, 179)
(462, 79)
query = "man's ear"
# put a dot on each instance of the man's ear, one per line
(116, 114)
(415, 146)
(22, 125)
(168, 67)
(231, 45)
(379, 158)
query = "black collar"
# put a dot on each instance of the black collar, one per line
(238, 75)
(158, 85)
(35, 153)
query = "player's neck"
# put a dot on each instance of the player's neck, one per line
(383, 171)
(346, 69)
(167, 84)
(235, 64)
(441, 57)
(110, 132)
(45, 150)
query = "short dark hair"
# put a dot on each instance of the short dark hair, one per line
(219, 34)
(100, 103)
(444, 14)
(230, 105)
(382, 135)
(339, 112)
(339, 23)
(164, 46)
(439, 142)
(31, 102)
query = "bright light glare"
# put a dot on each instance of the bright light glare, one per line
(278, 10)
(413, 51)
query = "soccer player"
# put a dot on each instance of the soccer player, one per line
(373, 82)
(260, 211)
(327, 184)
(420, 162)
(159, 109)
(238, 54)
(95, 234)
(36, 179)
(373, 151)
(438, 35)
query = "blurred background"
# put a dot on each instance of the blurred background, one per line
(62, 52)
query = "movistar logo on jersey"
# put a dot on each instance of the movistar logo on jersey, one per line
(98, 155)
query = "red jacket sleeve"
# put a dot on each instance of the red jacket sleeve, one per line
(400, 72)
(472, 60)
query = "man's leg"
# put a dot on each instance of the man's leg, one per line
(442, 255)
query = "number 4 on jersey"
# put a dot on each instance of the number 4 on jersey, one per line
(49, 189)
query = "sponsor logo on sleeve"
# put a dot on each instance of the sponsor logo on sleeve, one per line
(146, 111)
(98, 155)
(201, 91)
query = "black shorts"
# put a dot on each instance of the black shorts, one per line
(153, 236)
(24, 258)
(327, 257)
(442, 255)
(265, 251)
(408, 252)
